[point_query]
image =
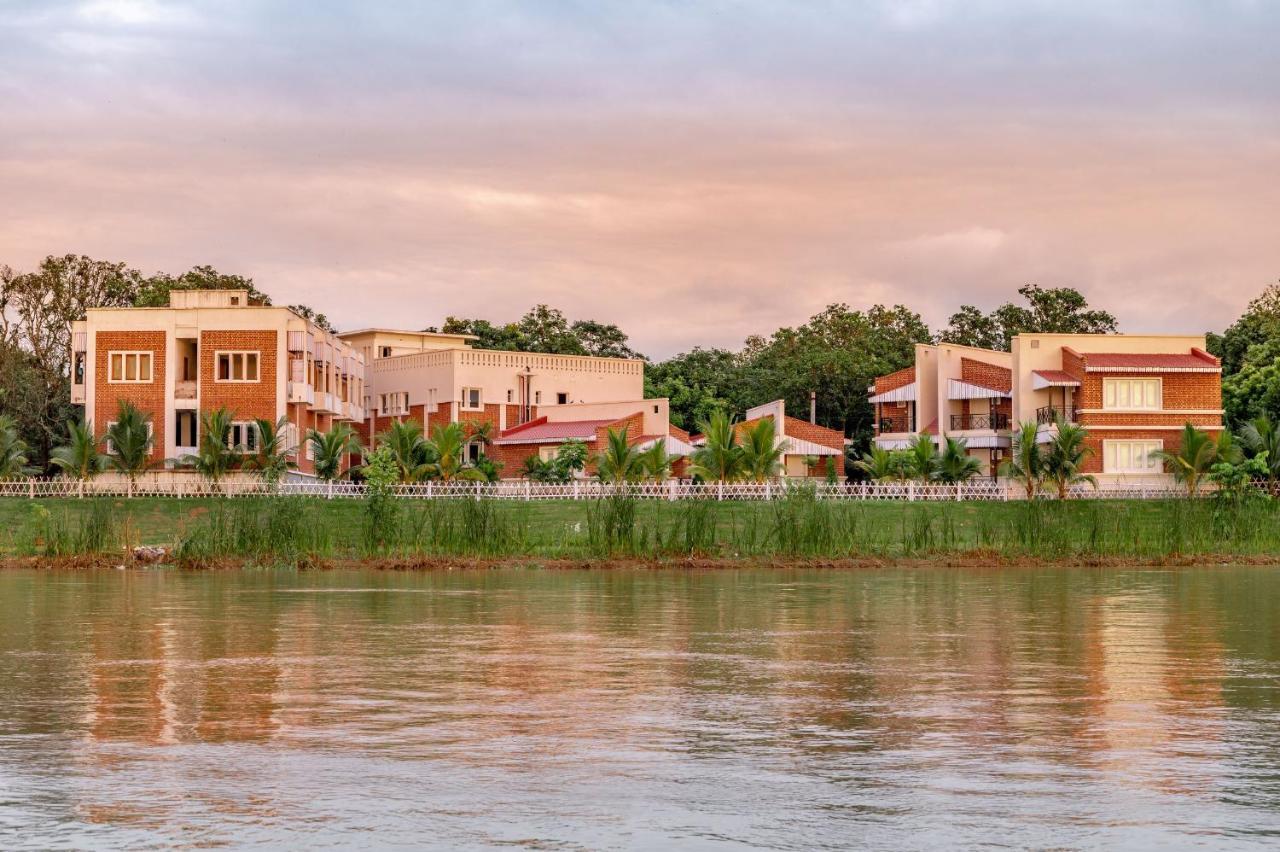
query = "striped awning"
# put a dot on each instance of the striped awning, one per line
(906, 393)
(1041, 379)
(901, 443)
(978, 442)
(674, 446)
(801, 447)
(957, 389)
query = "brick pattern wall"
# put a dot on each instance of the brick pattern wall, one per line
(986, 375)
(149, 397)
(1094, 463)
(893, 381)
(1073, 364)
(1201, 391)
(245, 400)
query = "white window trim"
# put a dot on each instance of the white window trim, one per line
(244, 425)
(1159, 406)
(128, 353)
(1153, 466)
(466, 397)
(234, 353)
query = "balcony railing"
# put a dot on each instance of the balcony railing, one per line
(1047, 415)
(994, 420)
(895, 424)
(184, 389)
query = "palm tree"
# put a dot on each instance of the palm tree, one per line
(1026, 462)
(619, 462)
(655, 462)
(881, 464)
(480, 430)
(1261, 435)
(1197, 452)
(761, 451)
(955, 464)
(922, 457)
(1063, 462)
(130, 440)
(408, 448)
(446, 447)
(270, 460)
(15, 455)
(329, 448)
(214, 456)
(80, 458)
(719, 459)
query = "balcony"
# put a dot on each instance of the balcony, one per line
(185, 389)
(995, 421)
(301, 392)
(1047, 415)
(901, 423)
(77, 394)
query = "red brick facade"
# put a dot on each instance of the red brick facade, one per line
(986, 375)
(245, 400)
(893, 381)
(149, 397)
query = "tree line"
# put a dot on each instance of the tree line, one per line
(836, 354)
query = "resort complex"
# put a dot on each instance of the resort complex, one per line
(1133, 394)
(220, 350)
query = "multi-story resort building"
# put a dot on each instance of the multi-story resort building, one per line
(1133, 393)
(211, 349)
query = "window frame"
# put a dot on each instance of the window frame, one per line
(562, 397)
(106, 436)
(124, 355)
(246, 427)
(232, 354)
(1111, 394)
(1111, 446)
(467, 393)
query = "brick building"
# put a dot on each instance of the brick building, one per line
(1133, 393)
(209, 349)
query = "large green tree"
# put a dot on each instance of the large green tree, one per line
(1048, 309)
(1250, 353)
(698, 383)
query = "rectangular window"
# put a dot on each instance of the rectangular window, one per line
(537, 397)
(562, 398)
(1131, 457)
(236, 366)
(1132, 394)
(106, 442)
(77, 369)
(243, 437)
(384, 352)
(475, 450)
(511, 396)
(129, 367)
(471, 399)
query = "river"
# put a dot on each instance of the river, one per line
(888, 709)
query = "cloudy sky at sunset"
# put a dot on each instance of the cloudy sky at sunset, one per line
(693, 171)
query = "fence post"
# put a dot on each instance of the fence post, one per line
(528, 490)
(720, 490)
(911, 490)
(864, 490)
(430, 490)
(959, 489)
(31, 487)
(577, 489)
(671, 489)
(329, 490)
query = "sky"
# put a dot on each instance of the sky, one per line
(693, 171)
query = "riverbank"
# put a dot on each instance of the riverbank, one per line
(301, 531)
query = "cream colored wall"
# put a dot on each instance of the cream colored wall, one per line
(184, 299)
(369, 343)
(1027, 356)
(948, 356)
(926, 386)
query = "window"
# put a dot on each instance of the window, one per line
(511, 396)
(235, 300)
(562, 398)
(537, 397)
(394, 403)
(129, 367)
(243, 436)
(384, 352)
(471, 399)
(236, 366)
(475, 450)
(1131, 457)
(107, 441)
(1131, 394)
(77, 369)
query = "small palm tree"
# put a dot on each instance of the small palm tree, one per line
(955, 464)
(329, 449)
(1261, 435)
(881, 465)
(214, 456)
(482, 431)
(1064, 460)
(408, 448)
(1026, 461)
(761, 451)
(80, 457)
(719, 459)
(446, 446)
(15, 455)
(130, 441)
(271, 458)
(922, 458)
(655, 462)
(619, 462)
(1197, 452)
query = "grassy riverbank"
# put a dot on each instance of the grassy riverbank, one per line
(284, 531)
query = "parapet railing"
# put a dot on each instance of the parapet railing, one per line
(985, 490)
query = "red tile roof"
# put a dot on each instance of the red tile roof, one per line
(541, 430)
(1061, 377)
(1194, 360)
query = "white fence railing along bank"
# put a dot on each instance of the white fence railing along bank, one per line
(985, 490)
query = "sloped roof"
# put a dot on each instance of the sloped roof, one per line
(1053, 379)
(1195, 361)
(541, 431)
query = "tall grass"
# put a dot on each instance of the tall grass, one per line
(293, 530)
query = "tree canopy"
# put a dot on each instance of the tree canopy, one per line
(1055, 309)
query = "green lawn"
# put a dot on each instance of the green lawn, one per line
(287, 529)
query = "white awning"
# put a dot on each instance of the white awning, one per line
(1041, 379)
(801, 447)
(675, 447)
(978, 442)
(957, 389)
(906, 393)
(900, 443)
